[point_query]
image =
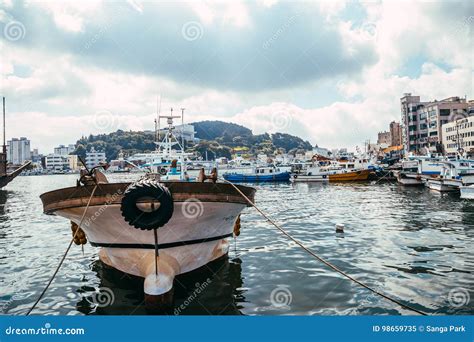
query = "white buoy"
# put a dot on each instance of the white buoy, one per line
(339, 228)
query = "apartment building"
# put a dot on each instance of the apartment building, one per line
(18, 150)
(458, 137)
(422, 121)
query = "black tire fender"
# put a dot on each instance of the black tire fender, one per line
(143, 219)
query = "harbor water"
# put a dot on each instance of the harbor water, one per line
(411, 243)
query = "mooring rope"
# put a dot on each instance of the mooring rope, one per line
(324, 261)
(64, 255)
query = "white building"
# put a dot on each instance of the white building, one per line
(458, 136)
(18, 150)
(56, 162)
(94, 158)
(64, 150)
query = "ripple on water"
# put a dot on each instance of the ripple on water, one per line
(409, 242)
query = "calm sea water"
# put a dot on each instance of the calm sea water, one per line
(411, 243)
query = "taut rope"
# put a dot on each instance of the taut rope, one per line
(324, 261)
(64, 255)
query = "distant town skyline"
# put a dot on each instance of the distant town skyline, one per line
(329, 72)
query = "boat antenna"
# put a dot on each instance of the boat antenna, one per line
(4, 134)
(182, 127)
(157, 120)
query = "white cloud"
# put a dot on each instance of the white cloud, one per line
(59, 95)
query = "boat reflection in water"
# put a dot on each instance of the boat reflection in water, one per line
(214, 289)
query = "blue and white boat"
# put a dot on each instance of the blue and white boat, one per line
(259, 174)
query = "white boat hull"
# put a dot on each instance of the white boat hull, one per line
(409, 180)
(439, 185)
(109, 229)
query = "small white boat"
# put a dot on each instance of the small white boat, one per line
(312, 172)
(408, 175)
(438, 184)
(467, 192)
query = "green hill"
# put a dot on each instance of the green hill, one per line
(217, 138)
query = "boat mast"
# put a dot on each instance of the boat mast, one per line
(182, 128)
(4, 134)
(157, 120)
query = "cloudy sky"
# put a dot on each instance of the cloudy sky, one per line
(331, 72)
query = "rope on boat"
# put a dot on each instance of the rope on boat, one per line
(64, 255)
(324, 261)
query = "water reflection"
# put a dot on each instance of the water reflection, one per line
(214, 289)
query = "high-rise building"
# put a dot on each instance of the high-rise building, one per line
(422, 121)
(18, 150)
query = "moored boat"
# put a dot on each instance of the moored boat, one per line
(350, 176)
(156, 228)
(440, 185)
(259, 174)
(5, 176)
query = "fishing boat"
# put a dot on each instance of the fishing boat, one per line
(156, 228)
(259, 174)
(310, 172)
(455, 173)
(439, 184)
(5, 175)
(408, 174)
(350, 176)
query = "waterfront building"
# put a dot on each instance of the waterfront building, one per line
(56, 162)
(18, 150)
(94, 158)
(384, 138)
(73, 162)
(458, 137)
(422, 121)
(64, 150)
